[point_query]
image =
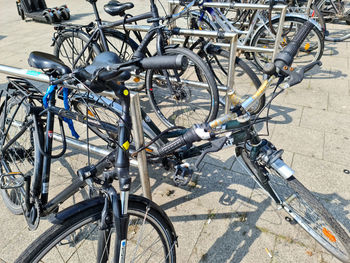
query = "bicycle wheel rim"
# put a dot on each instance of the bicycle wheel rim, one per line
(312, 216)
(246, 81)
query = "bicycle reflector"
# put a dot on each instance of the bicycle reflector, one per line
(329, 235)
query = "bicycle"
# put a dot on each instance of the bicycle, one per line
(173, 95)
(99, 217)
(261, 159)
(259, 32)
(334, 11)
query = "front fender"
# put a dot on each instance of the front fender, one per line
(99, 201)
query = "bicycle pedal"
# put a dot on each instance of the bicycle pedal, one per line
(182, 175)
(11, 180)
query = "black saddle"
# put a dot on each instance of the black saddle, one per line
(115, 8)
(47, 62)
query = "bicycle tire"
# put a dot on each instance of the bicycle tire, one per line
(318, 17)
(22, 156)
(331, 236)
(70, 43)
(162, 101)
(60, 236)
(314, 41)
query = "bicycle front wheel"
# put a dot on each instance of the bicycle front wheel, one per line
(192, 96)
(310, 50)
(150, 238)
(307, 211)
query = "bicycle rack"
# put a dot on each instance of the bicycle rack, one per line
(136, 118)
(233, 5)
(203, 33)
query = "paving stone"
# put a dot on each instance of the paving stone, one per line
(336, 148)
(299, 140)
(307, 97)
(339, 103)
(326, 121)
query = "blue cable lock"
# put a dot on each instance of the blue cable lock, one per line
(46, 97)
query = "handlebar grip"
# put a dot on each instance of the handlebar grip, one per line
(172, 146)
(165, 62)
(188, 138)
(286, 56)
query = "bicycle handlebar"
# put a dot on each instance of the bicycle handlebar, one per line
(179, 62)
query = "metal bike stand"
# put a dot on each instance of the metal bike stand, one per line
(135, 110)
(136, 118)
(203, 33)
(233, 5)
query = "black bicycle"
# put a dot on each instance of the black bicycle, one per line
(124, 227)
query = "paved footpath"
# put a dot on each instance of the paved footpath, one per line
(222, 216)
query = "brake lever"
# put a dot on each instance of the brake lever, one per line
(216, 145)
(296, 76)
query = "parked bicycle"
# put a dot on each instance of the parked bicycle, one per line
(124, 227)
(255, 30)
(335, 11)
(261, 159)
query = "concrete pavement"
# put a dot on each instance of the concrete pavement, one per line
(222, 216)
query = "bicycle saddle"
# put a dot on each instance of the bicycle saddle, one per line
(45, 61)
(115, 8)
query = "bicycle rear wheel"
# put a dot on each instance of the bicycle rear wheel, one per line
(69, 45)
(192, 96)
(306, 210)
(22, 158)
(150, 237)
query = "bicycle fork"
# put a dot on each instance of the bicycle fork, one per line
(115, 212)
